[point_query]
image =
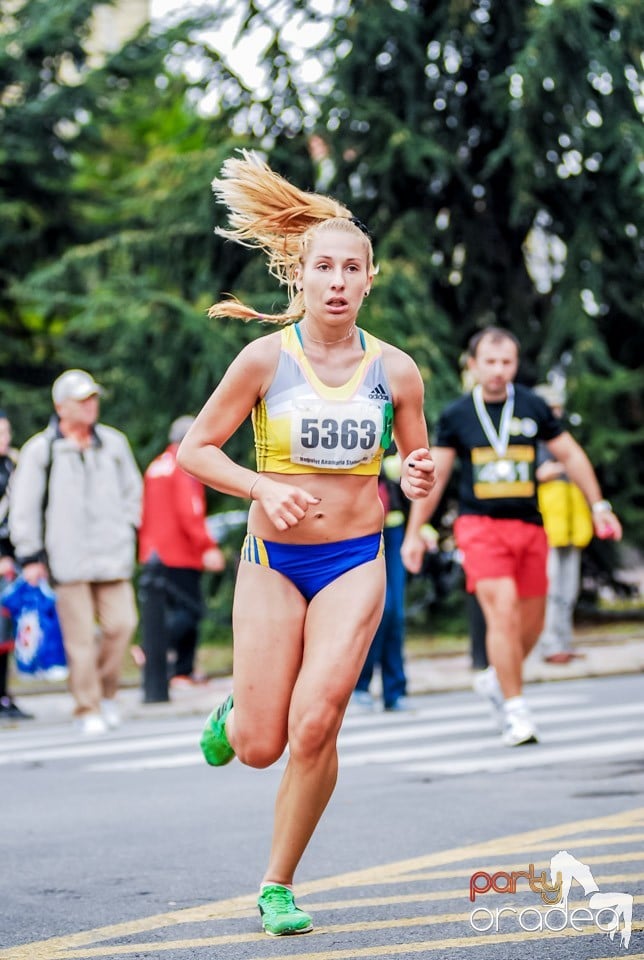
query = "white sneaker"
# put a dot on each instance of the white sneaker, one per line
(486, 684)
(401, 705)
(111, 713)
(91, 724)
(518, 728)
(362, 700)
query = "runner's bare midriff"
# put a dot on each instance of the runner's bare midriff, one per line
(347, 509)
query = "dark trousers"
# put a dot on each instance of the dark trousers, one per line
(4, 670)
(477, 628)
(387, 645)
(171, 612)
(6, 643)
(184, 611)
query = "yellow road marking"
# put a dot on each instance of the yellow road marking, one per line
(371, 926)
(353, 952)
(520, 865)
(58, 948)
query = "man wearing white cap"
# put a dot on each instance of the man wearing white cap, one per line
(75, 509)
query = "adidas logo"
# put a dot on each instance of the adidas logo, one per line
(379, 393)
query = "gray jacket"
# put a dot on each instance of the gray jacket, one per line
(92, 505)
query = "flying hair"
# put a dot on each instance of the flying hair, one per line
(268, 212)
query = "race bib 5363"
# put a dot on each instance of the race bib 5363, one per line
(336, 435)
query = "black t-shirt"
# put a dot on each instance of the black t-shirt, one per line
(493, 486)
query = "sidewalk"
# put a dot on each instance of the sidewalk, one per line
(595, 658)
(598, 656)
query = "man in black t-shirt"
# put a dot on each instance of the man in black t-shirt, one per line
(494, 432)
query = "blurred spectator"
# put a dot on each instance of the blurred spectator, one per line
(175, 547)
(75, 507)
(9, 710)
(494, 433)
(386, 650)
(568, 524)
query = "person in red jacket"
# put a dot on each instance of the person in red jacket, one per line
(175, 548)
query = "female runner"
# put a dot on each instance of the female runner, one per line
(325, 397)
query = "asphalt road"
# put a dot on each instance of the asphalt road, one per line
(129, 846)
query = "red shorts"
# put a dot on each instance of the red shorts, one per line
(503, 548)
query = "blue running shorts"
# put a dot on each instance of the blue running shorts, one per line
(312, 567)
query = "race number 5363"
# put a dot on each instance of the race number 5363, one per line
(329, 434)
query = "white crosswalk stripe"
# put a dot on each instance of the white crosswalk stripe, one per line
(596, 750)
(439, 737)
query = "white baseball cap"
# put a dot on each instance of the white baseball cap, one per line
(179, 428)
(555, 396)
(74, 385)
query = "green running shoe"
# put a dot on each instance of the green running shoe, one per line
(214, 742)
(280, 916)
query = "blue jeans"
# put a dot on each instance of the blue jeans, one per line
(387, 645)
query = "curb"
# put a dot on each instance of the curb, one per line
(439, 673)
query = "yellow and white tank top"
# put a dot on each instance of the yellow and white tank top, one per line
(304, 426)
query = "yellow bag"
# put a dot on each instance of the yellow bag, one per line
(566, 515)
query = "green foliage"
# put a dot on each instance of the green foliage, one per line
(125, 288)
(473, 138)
(218, 592)
(38, 41)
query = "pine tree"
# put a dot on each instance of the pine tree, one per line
(495, 151)
(106, 221)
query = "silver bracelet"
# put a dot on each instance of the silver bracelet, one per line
(252, 486)
(602, 506)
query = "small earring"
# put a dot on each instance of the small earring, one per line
(366, 293)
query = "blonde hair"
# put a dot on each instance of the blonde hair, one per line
(268, 212)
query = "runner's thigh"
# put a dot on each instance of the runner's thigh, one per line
(268, 626)
(340, 624)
